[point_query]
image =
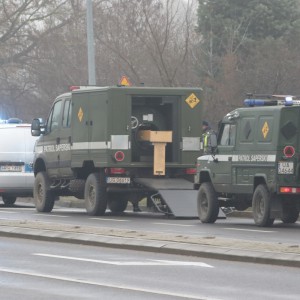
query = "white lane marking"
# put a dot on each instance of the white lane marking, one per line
(131, 263)
(172, 224)
(251, 230)
(115, 220)
(108, 285)
(8, 212)
(51, 215)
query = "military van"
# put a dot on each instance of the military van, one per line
(109, 145)
(16, 161)
(255, 163)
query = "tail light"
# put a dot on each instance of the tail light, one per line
(190, 171)
(289, 190)
(115, 171)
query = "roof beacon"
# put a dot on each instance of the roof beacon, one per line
(288, 101)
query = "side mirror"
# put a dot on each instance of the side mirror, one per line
(36, 127)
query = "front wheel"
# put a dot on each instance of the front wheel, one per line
(208, 207)
(261, 206)
(9, 201)
(95, 194)
(43, 198)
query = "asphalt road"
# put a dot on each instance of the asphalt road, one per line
(43, 270)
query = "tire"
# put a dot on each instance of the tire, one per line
(95, 194)
(290, 214)
(208, 206)
(9, 201)
(43, 198)
(261, 206)
(117, 202)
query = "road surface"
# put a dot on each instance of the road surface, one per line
(48, 270)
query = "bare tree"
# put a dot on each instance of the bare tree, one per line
(43, 48)
(23, 25)
(150, 40)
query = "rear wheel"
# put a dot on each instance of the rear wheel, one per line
(208, 207)
(290, 214)
(9, 201)
(261, 206)
(95, 194)
(43, 198)
(117, 202)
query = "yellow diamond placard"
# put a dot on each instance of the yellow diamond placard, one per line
(265, 129)
(192, 100)
(80, 114)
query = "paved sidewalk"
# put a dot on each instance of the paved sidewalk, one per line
(209, 246)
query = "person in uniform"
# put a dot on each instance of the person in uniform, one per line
(209, 138)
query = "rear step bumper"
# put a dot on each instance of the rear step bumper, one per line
(178, 194)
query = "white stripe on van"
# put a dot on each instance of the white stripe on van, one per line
(240, 158)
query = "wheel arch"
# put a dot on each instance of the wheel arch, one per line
(88, 167)
(259, 179)
(39, 166)
(204, 176)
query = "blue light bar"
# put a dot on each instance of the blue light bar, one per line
(288, 101)
(259, 102)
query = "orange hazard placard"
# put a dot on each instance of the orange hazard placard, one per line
(125, 81)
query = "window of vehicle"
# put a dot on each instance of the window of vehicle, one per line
(288, 130)
(53, 120)
(67, 113)
(247, 130)
(228, 135)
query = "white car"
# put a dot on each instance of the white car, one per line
(16, 157)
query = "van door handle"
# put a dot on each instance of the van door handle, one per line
(58, 140)
(229, 158)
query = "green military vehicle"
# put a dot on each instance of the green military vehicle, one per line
(256, 162)
(111, 145)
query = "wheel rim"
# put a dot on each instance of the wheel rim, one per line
(260, 206)
(204, 203)
(92, 195)
(259, 209)
(40, 193)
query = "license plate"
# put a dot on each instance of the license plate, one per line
(285, 167)
(121, 180)
(9, 168)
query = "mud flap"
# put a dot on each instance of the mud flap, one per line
(276, 208)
